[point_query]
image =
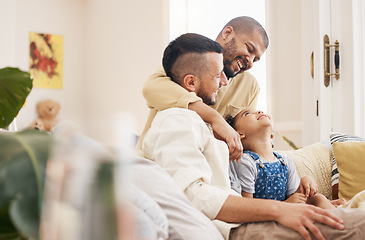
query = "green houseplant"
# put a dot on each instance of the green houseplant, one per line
(15, 86)
(22, 161)
(23, 158)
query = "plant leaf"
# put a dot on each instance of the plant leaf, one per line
(291, 144)
(24, 214)
(7, 230)
(23, 158)
(15, 86)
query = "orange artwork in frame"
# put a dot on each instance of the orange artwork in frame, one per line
(46, 60)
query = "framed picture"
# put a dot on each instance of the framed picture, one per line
(46, 60)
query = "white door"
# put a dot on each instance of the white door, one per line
(340, 106)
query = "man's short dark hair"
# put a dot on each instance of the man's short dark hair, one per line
(185, 55)
(247, 25)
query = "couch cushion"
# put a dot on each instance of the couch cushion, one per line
(350, 157)
(315, 161)
(339, 137)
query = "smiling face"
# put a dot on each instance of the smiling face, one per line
(211, 80)
(252, 122)
(240, 50)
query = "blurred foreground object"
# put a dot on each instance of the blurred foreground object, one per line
(79, 199)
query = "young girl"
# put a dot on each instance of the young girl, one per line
(263, 173)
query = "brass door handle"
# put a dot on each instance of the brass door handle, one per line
(326, 55)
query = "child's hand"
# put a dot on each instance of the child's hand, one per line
(307, 186)
(297, 198)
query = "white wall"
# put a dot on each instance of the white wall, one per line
(283, 24)
(7, 26)
(110, 48)
(125, 41)
(56, 17)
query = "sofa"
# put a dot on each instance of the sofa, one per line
(316, 161)
(185, 222)
(336, 164)
(152, 203)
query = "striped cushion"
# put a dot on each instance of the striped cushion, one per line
(340, 137)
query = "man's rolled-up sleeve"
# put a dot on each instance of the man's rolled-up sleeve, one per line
(208, 199)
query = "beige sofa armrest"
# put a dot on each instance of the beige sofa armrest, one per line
(316, 161)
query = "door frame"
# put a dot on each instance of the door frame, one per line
(359, 63)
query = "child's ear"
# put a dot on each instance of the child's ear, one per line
(242, 135)
(190, 82)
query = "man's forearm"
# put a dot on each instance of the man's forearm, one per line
(161, 92)
(239, 209)
(299, 217)
(212, 117)
(207, 113)
(222, 130)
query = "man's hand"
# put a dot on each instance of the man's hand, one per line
(297, 198)
(307, 186)
(223, 131)
(301, 218)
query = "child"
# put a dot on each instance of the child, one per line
(263, 173)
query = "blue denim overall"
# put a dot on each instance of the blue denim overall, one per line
(272, 178)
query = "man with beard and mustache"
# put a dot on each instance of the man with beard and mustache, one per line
(244, 41)
(183, 145)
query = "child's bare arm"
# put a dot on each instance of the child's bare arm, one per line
(247, 195)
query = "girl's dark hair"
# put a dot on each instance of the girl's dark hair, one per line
(230, 120)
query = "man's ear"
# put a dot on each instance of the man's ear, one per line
(226, 32)
(190, 83)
